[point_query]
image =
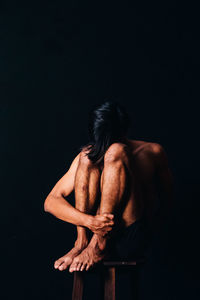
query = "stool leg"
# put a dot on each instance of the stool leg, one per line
(77, 292)
(109, 284)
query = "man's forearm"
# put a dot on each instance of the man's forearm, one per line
(63, 210)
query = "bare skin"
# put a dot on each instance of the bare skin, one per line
(145, 165)
(84, 178)
(87, 191)
(56, 204)
(113, 184)
(132, 174)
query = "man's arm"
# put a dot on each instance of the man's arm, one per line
(165, 184)
(57, 205)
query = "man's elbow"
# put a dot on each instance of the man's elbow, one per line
(48, 204)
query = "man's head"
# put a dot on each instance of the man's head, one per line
(108, 124)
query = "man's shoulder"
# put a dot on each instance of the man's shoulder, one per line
(155, 152)
(151, 148)
(155, 148)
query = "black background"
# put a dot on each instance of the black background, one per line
(58, 59)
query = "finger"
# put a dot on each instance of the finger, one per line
(108, 220)
(105, 232)
(110, 216)
(110, 223)
(105, 219)
(107, 229)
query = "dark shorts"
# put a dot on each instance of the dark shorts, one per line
(130, 242)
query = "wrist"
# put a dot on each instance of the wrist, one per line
(88, 221)
(85, 220)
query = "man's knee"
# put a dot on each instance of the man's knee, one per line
(84, 161)
(116, 152)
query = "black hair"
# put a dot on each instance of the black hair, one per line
(108, 124)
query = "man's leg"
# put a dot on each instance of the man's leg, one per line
(87, 189)
(87, 192)
(113, 187)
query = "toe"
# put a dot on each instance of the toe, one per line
(82, 267)
(65, 265)
(87, 267)
(78, 266)
(61, 267)
(72, 267)
(75, 264)
(58, 263)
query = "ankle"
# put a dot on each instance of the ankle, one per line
(98, 241)
(81, 242)
(82, 233)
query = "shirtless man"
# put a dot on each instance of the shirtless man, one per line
(116, 182)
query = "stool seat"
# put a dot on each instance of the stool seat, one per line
(123, 263)
(109, 278)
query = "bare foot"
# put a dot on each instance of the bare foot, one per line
(91, 255)
(63, 262)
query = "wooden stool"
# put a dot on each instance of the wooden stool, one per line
(109, 279)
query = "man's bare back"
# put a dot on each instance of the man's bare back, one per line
(148, 162)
